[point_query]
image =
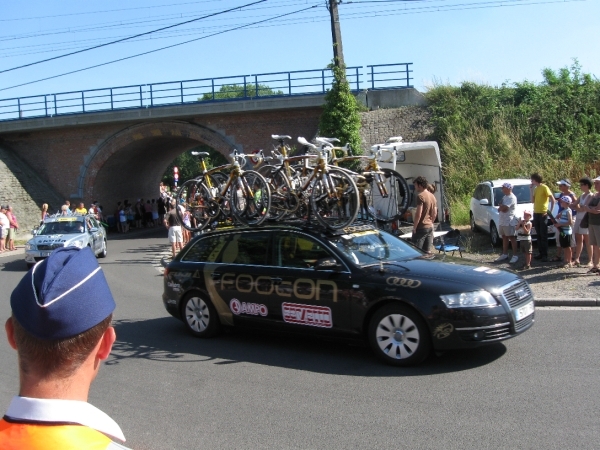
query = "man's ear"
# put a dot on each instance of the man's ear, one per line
(106, 343)
(10, 332)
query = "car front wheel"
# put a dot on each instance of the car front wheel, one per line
(399, 336)
(199, 316)
(495, 236)
(103, 250)
(472, 223)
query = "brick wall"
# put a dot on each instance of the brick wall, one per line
(410, 122)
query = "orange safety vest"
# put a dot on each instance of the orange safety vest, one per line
(37, 436)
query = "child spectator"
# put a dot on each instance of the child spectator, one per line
(523, 229)
(564, 222)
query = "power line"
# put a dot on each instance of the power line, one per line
(157, 50)
(128, 38)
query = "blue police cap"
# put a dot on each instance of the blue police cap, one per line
(62, 296)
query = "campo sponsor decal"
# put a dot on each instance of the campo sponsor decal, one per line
(254, 309)
(314, 316)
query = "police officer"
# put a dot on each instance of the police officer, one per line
(61, 329)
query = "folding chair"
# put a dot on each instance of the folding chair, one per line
(450, 242)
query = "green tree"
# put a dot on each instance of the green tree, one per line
(237, 91)
(187, 164)
(340, 116)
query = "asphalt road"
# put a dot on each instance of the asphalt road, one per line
(169, 390)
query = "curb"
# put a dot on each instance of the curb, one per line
(567, 302)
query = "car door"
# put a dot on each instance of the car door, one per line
(244, 277)
(305, 298)
(93, 228)
(478, 209)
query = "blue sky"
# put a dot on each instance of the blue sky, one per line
(476, 41)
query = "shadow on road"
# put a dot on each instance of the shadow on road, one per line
(165, 339)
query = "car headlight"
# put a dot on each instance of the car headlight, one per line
(78, 244)
(29, 246)
(469, 299)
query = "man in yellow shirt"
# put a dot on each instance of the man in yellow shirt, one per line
(542, 197)
(81, 210)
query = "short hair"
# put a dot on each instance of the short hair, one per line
(56, 358)
(64, 207)
(45, 206)
(421, 181)
(431, 188)
(536, 177)
(586, 181)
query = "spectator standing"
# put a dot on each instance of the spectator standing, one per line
(81, 209)
(4, 226)
(506, 223)
(148, 214)
(172, 223)
(425, 215)
(139, 212)
(44, 212)
(12, 231)
(123, 220)
(542, 197)
(564, 186)
(581, 234)
(564, 222)
(155, 213)
(60, 352)
(523, 229)
(593, 210)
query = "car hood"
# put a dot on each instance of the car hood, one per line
(56, 238)
(448, 274)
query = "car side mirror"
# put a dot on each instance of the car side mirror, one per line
(484, 202)
(93, 230)
(327, 264)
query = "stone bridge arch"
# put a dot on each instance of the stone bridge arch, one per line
(130, 163)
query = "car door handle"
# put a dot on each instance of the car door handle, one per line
(276, 280)
(215, 275)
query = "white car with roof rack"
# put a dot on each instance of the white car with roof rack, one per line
(65, 231)
(484, 206)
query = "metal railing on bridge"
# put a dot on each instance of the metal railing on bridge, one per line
(232, 88)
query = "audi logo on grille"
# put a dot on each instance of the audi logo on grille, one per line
(521, 293)
(405, 282)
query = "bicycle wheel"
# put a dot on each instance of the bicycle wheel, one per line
(386, 196)
(250, 198)
(193, 197)
(283, 200)
(334, 199)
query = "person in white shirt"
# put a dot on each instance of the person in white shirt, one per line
(506, 225)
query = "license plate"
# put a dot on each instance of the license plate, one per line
(45, 254)
(524, 311)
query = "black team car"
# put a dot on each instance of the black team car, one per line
(359, 282)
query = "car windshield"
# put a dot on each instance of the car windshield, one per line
(69, 226)
(374, 246)
(521, 191)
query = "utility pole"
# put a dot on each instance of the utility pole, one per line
(336, 33)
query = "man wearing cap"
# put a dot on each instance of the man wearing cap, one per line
(542, 197)
(593, 210)
(61, 329)
(506, 223)
(564, 186)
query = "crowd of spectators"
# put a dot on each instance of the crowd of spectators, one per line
(577, 223)
(8, 228)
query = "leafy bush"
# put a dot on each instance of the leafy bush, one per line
(516, 129)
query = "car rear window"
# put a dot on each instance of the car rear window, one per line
(521, 191)
(206, 250)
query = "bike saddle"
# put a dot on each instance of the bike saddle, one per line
(327, 140)
(201, 154)
(281, 137)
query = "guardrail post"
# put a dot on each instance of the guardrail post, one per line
(256, 84)
(245, 87)
(372, 78)
(111, 100)
(323, 80)
(141, 100)
(82, 102)
(151, 97)
(55, 108)
(357, 80)
(46, 104)
(181, 90)
(212, 82)
(19, 108)
(289, 83)
(407, 79)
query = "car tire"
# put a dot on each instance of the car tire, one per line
(104, 250)
(474, 228)
(199, 316)
(495, 236)
(399, 336)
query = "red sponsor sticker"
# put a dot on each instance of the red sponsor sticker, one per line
(314, 316)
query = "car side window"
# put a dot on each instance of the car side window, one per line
(206, 250)
(478, 192)
(295, 250)
(247, 248)
(488, 194)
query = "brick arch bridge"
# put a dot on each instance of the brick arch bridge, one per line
(131, 162)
